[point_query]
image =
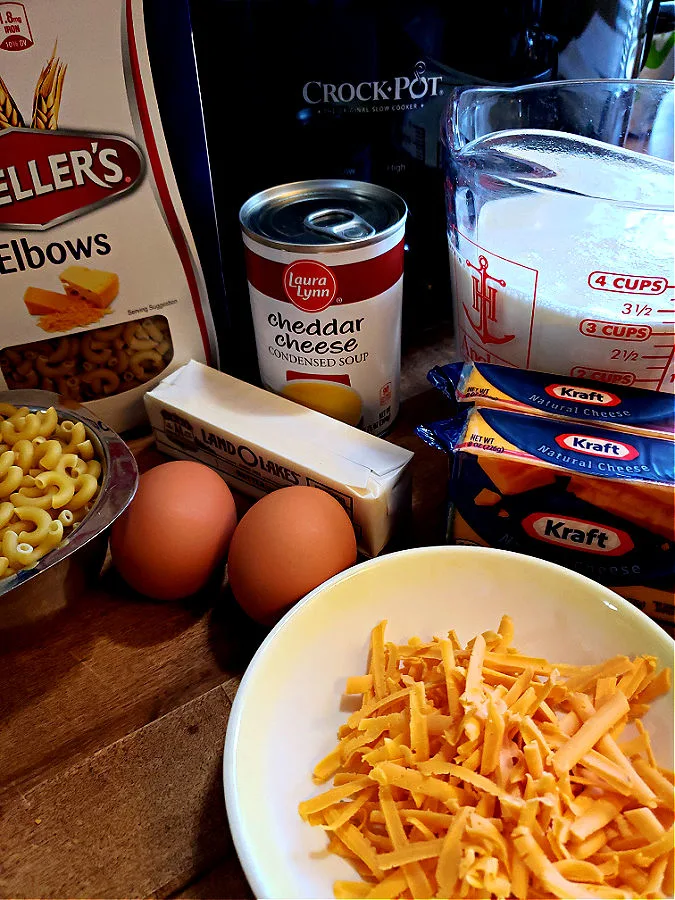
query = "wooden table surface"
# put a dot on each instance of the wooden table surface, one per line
(113, 714)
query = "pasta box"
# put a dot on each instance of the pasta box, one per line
(102, 284)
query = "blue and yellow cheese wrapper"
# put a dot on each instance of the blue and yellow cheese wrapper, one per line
(596, 500)
(536, 393)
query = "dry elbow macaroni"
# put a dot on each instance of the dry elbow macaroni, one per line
(49, 478)
(93, 364)
(479, 772)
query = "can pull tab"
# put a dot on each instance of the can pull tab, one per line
(339, 224)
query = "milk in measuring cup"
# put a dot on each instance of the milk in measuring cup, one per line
(570, 269)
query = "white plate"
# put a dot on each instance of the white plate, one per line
(287, 710)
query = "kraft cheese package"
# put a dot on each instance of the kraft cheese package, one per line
(592, 499)
(259, 441)
(503, 387)
(102, 287)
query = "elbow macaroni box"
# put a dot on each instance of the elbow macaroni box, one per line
(259, 441)
(502, 387)
(599, 501)
(101, 287)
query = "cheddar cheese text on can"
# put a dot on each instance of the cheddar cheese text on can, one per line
(324, 262)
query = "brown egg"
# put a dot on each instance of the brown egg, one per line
(176, 530)
(288, 543)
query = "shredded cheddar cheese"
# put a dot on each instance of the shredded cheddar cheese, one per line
(77, 314)
(480, 772)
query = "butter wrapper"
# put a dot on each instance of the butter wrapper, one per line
(535, 393)
(599, 501)
(258, 442)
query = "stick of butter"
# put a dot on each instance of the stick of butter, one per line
(258, 442)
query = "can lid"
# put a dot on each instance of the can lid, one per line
(322, 214)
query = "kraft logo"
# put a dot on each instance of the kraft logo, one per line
(580, 443)
(594, 397)
(309, 285)
(578, 534)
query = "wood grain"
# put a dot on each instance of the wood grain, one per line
(141, 817)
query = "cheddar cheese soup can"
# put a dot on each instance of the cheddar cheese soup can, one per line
(324, 261)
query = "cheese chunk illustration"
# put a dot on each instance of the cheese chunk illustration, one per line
(97, 287)
(40, 302)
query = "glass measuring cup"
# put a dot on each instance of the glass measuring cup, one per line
(561, 228)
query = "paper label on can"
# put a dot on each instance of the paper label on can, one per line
(329, 335)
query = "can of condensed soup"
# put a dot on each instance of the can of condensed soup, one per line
(324, 261)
